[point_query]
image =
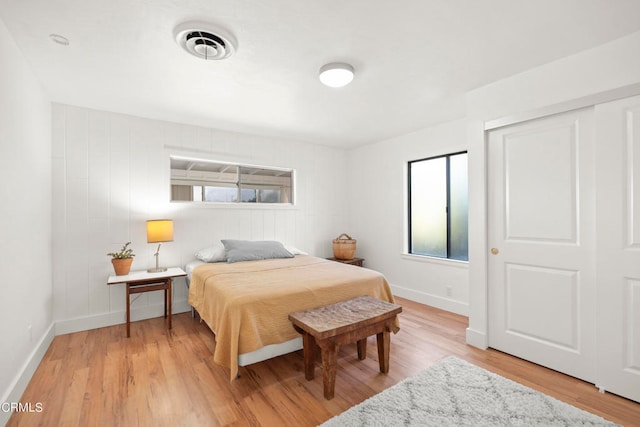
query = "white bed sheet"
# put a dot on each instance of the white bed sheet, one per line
(191, 266)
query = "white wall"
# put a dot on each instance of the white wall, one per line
(25, 222)
(111, 174)
(560, 85)
(377, 216)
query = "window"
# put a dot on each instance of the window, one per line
(438, 210)
(206, 181)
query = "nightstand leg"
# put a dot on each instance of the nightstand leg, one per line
(128, 314)
(165, 302)
(170, 290)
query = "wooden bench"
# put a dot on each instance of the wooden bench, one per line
(345, 322)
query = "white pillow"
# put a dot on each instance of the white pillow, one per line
(294, 250)
(214, 253)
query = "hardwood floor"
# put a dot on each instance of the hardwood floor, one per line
(168, 378)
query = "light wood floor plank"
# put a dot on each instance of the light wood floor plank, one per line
(168, 378)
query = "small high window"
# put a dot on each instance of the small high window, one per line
(199, 180)
(438, 208)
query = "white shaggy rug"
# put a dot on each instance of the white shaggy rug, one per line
(454, 392)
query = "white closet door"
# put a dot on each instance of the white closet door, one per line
(542, 242)
(618, 241)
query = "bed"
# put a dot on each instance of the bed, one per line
(246, 304)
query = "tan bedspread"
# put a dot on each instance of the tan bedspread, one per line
(247, 303)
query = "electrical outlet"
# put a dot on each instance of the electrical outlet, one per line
(30, 330)
(449, 291)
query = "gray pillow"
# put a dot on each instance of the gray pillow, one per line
(247, 250)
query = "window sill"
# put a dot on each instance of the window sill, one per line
(435, 260)
(222, 205)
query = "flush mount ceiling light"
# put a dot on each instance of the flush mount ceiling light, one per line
(205, 41)
(336, 74)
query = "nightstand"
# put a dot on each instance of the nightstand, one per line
(353, 261)
(143, 281)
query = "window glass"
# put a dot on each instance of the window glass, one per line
(429, 207)
(438, 212)
(269, 195)
(219, 194)
(458, 207)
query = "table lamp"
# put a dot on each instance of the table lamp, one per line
(158, 231)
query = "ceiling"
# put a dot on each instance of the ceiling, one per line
(414, 59)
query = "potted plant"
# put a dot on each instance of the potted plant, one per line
(122, 260)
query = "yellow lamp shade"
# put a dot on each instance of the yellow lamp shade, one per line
(159, 230)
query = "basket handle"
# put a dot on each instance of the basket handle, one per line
(345, 235)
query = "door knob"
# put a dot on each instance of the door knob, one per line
(495, 251)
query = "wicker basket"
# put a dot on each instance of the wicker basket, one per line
(344, 247)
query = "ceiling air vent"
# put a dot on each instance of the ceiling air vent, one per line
(205, 41)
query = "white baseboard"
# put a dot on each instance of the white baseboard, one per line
(437, 301)
(19, 384)
(477, 339)
(117, 318)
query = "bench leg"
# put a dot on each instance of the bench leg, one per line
(362, 349)
(329, 367)
(309, 352)
(384, 342)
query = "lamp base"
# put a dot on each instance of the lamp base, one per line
(156, 270)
